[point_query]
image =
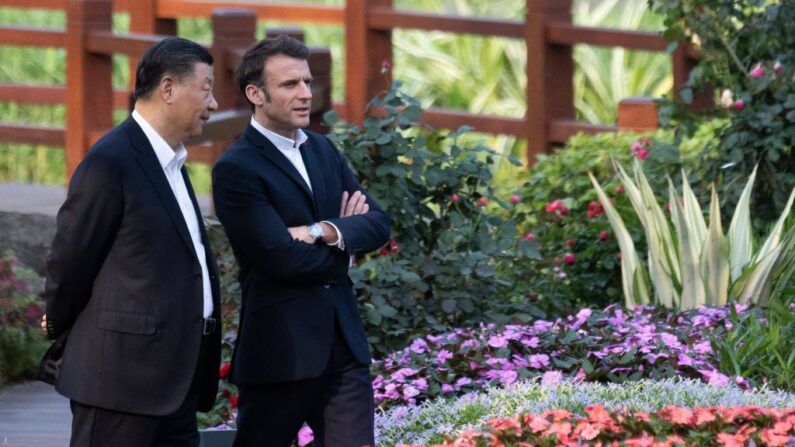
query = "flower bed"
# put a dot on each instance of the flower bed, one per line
(737, 426)
(606, 345)
(445, 418)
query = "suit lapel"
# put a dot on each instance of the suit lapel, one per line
(309, 154)
(277, 158)
(146, 158)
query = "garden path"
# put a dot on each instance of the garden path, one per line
(46, 199)
(33, 414)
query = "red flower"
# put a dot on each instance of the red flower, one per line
(739, 105)
(604, 235)
(570, 242)
(619, 189)
(529, 236)
(483, 202)
(569, 258)
(233, 401)
(557, 206)
(393, 246)
(224, 370)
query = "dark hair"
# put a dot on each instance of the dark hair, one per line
(250, 69)
(173, 56)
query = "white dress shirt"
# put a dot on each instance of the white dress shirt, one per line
(172, 160)
(290, 149)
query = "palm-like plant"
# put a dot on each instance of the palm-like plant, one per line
(690, 263)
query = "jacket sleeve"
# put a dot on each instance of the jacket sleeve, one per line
(364, 232)
(260, 236)
(85, 230)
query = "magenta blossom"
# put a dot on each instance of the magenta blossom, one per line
(758, 71)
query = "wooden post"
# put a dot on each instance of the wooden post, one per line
(550, 70)
(89, 89)
(233, 29)
(143, 19)
(365, 52)
(637, 115)
(684, 60)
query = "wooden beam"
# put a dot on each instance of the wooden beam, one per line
(32, 134)
(387, 19)
(561, 130)
(131, 44)
(333, 15)
(43, 4)
(569, 34)
(453, 119)
(31, 36)
(50, 95)
(637, 115)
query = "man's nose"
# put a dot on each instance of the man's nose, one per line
(213, 103)
(306, 91)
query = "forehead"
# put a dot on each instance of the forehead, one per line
(202, 71)
(281, 66)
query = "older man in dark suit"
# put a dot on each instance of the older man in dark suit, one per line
(131, 277)
(294, 214)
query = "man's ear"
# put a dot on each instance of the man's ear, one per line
(255, 95)
(166, 88)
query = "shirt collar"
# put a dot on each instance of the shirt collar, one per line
(166, 155)
(281, 142)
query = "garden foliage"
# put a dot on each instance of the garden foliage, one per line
(451, 234)
(691, 264)
(21, 341)
(747, 55)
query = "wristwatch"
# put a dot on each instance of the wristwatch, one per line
(316, 231)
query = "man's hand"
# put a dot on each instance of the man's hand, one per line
(356, 204)
(44, 323)
(301, 234)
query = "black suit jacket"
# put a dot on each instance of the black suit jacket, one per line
(124, 279)
(291, 290)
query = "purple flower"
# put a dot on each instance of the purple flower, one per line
(498, 341)
(508, 377)
(714, 378)
(443, 356)
(539, 361)
(409, 392)
(462, 382)
(418, 346)
(447, 389)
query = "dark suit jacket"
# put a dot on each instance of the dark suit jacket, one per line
(291, 290)
(124, 279)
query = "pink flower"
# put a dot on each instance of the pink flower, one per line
(557, 206)
(758, 71)
(385, 66)
(483, 202)
(604, 235)
(447, 389)
(529, 236)
(642, 154)
(777, 67)
(305, 436)
(739, 105)
(619, 189)
(562, 275)
(393, 246)
(498, 341)
(455, 198)
(551, 378)
(516, 199)
(569, 258)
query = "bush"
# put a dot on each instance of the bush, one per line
(559, 209)
(451, 233)
(22, 342)
(748, 55)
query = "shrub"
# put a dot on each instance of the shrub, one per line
(450, 231)
(21, 341)
(748, 55)
(442, 418)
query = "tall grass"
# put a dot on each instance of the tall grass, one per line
(472, 73)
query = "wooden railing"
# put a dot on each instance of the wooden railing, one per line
(547, 30)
